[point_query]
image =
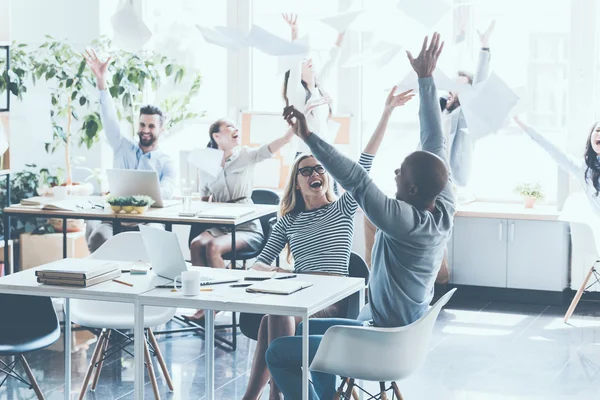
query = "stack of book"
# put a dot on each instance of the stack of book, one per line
(78, 272)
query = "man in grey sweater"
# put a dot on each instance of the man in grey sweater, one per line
(412, 230)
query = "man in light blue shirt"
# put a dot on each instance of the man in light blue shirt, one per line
(143, 155)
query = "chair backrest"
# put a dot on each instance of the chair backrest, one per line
(34, 313)
(357, 267)
(380, 354)
(126, 246)
(269, 197)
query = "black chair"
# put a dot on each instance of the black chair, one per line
(259, 196)
(357, 268)
(29, 323)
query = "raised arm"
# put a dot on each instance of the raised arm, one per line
(334, 56)
(277, 144)
(108, 112)
(432, 135)
(565, 161)
(391, 102)
(483, 65)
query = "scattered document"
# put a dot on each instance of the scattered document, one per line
(130, 31)
(274, 45)
(341, 22)
(207, 160)
(427, 12)
(442, 82)
(487, 106)
(228, 38)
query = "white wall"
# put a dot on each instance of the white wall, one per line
(77, 21)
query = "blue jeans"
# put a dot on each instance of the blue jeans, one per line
(284, 358)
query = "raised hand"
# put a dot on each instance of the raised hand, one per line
(394, 100)
(297, 120)
(485, 36)
(98, 66)
(425, 63)
(292, 21)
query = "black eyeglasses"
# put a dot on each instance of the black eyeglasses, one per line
(308, 171)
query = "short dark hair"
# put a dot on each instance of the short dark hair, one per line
(467, 75)
(153, 110)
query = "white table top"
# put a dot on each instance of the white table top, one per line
(326, 290)
(25, 282)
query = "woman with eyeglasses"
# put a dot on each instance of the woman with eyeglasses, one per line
(317, 228)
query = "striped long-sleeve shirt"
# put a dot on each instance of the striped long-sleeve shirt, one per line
(320, 239)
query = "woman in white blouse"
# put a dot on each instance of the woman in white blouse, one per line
(305, 89)
(233, 184)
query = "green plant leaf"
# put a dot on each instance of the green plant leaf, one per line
(179, 75)
(82, 100)
(169, 69)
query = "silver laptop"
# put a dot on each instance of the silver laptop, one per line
(131, 182)
(167, 260)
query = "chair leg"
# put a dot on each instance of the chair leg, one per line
(32, 380)
(88, 374)
(340, 390)
(150, 368)
(100, 360)
(382, 391)
(161, 360)
(397, 391)
(349, 389)
(578, 295)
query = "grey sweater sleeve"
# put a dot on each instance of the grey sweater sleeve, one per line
(432, 136)
(394, 217)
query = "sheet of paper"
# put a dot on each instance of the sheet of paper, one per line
(264, 128)
(130, 31)
(388, 56)
(427, 12)
(442, 82)
(274, 45)
(223, 37)
(3, 140)
(487, 106)
(207, 160)
(341, 22)
(267, 173)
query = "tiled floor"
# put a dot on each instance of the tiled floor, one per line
(479, 351)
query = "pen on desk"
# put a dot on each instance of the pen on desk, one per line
(122, 283)
(286, 276)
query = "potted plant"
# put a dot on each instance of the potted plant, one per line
(141, 203)
(115, 202)
(530, 192)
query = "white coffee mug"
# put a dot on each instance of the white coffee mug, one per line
(190, 283)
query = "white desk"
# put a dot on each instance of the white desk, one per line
(25, 283)
(326, 290)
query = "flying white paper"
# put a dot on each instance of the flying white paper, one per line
(130, 31)
(341, 22)
(442, 82)
(227, 38)
(207, 160)
(427, 12)
(487, 106)
(274, 45)
(3, 140)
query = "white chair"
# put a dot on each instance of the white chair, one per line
(378, 354)
(585, 245)
(112, 317)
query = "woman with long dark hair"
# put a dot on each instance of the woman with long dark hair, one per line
(587, 171)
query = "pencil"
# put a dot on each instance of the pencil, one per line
(206, 290)
(122, 283)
